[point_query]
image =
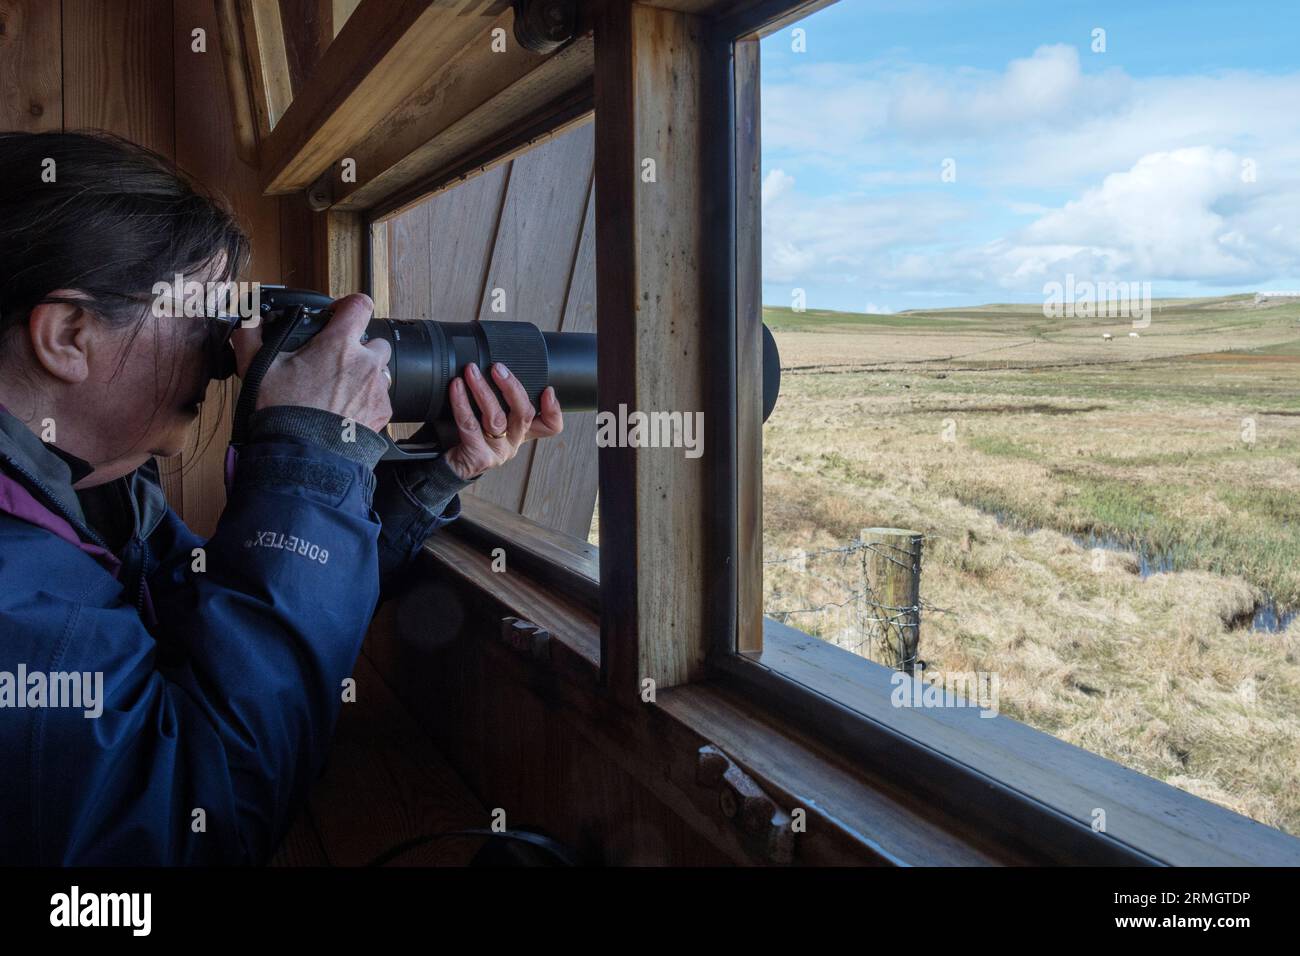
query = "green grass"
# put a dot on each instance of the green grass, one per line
(1260, 541)
(819, 320)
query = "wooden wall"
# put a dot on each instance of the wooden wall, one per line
(130, 67)
(526, 228)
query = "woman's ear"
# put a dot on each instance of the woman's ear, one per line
(62, 336)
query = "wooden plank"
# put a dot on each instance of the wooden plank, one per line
(308, 30)
(302, 845)
(749, 348)
(652, 321)
(539, 231)
(532, 263)
(342, 11)
(561, 491)
(386, 784)
(31, 66)
(565, 562)
(205, 151)
(380, 290)
(382, 55)
(409, 295)
(478, 95)
(117, 76)
(747, 18)
(459, 685)
(239, 93)
(1155, 819)
(552, 122)
(117, 69)
(792, 768)
(437, 272)
(340, 239)
(297, 245)
(462, 229)
(444, 676)
(566, 619)
(264, 43)
(409, 264)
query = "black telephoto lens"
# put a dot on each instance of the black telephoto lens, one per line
(427, 355)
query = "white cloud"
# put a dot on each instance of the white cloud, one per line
(774, 184)
(842, 238)
(1040, 89)
(1125, 178)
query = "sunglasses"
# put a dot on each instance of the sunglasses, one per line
(220, 353)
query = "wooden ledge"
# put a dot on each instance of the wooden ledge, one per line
(851, 818)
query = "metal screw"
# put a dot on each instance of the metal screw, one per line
(728, 803)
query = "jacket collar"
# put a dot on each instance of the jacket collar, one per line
(55, 469)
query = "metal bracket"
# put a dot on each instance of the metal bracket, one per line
(320, 194)
(543, 26)
(527, 638)
(767, 828)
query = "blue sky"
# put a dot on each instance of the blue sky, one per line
(1172, 157)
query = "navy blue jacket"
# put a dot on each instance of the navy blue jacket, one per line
(222, 661)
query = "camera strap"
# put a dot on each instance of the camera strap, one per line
(257, 369)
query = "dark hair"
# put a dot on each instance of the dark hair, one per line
(115, 219)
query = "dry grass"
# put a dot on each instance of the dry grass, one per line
(937, 422)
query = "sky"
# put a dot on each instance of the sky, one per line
(936, 153)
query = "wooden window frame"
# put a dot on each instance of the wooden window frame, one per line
(1020, 786)
(678, 599)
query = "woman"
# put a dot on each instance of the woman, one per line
(165, 699)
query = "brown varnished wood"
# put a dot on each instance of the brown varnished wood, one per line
(205, 151)
(537, 239)
(566, 562)
(118, 76)
(384, 783)
(31, 74)
(634, 796)
(269, 72)
(410, 269)
(302, 845)
(561, 488)
(479, 92)
(382, 54)
(653, 310)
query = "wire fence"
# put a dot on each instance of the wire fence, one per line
(827, 593)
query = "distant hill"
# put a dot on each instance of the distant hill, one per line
(785, 319)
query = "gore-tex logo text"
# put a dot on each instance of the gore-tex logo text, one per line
(289, 542)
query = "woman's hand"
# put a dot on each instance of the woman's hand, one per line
(333, 371)
(495, 439)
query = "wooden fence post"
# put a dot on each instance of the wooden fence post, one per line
(891, 573)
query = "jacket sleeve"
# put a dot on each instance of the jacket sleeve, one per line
(211, 734)
(413, 499)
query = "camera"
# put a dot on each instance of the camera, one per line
(427, 355)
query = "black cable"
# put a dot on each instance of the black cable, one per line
(556, 849)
